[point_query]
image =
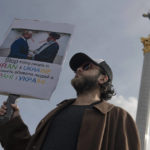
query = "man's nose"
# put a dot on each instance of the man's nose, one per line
(79, 69)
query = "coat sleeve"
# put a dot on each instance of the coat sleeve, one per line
(14, 135)
(48, 54)
(127, 137)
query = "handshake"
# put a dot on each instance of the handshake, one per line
(31, 54)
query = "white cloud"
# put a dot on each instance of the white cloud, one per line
(129, 104)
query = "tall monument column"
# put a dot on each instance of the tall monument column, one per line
(143, 111)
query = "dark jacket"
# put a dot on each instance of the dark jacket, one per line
(19, 49)
(105, 127)
(48, 54)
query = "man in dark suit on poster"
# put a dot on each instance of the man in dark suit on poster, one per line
(48, 51)
(19, 48)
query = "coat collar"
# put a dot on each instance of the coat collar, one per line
(103, 107)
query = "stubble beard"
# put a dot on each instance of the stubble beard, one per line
(84, 84)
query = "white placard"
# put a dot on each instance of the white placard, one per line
(31, 57)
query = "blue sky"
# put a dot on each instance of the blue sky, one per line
(110, 30)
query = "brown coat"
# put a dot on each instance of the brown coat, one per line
(106, 127)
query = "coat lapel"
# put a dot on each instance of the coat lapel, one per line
(41, 130)
(91, 131)
(93, 126)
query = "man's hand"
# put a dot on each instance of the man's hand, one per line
(3, 109)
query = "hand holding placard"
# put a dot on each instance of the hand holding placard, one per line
(6, 116)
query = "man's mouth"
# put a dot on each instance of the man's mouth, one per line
(76, 76)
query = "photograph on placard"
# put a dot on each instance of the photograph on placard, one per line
(31, 57)
(44, 46)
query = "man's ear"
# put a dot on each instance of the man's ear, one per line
(102, 79)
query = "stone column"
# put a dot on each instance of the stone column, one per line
(143, 111)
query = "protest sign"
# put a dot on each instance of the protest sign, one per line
(31, 57)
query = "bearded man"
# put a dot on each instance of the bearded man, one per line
(87, 122)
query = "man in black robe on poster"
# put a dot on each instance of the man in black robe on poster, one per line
(48, 51)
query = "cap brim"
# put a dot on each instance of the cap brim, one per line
(78, 59)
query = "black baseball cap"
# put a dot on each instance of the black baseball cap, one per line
(79, 58)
